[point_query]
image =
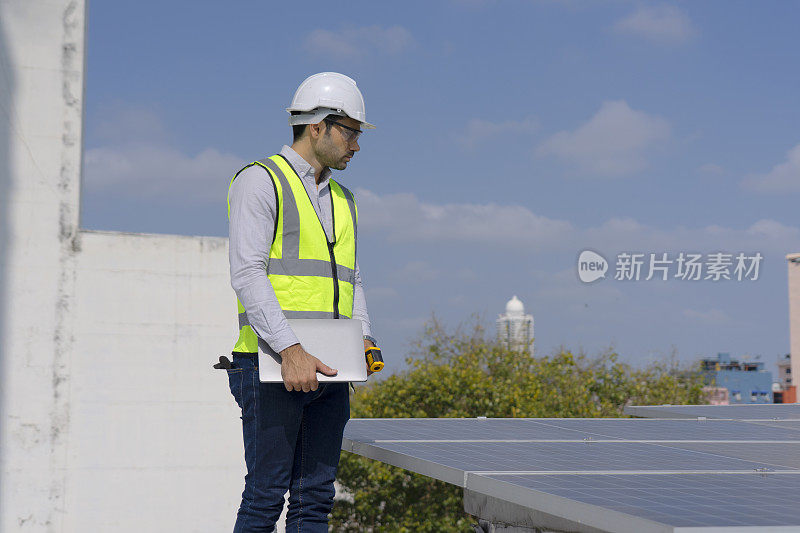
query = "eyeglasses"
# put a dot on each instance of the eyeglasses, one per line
(349, 134)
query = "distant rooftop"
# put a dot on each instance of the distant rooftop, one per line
(724, 361)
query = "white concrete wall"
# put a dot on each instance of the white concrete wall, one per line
(155, 436)
(41, 107)
(111, 417)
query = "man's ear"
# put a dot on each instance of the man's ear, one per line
(315, 130)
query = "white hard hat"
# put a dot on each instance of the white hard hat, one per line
(327, 93)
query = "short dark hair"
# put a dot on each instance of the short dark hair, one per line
(298, 131)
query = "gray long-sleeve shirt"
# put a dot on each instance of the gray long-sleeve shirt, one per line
(252, 222)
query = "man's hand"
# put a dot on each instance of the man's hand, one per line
(299, 369)
(368, 344)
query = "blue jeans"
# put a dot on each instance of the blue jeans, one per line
(292, 441)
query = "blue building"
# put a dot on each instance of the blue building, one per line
(747, 381)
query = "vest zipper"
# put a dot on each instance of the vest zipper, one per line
(335, 282)
(333, 257)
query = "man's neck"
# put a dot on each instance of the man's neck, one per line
(304, 150)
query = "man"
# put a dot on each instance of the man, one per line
(293, 255)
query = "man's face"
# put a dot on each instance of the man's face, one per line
(337, 144)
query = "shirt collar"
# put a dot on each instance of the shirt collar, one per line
(304, 170)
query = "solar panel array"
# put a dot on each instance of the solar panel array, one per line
(608, 474)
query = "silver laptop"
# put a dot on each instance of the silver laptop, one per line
(337, 343)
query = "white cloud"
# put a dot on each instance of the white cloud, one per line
(136, 158)
(404, 218)
(627, 234)
(784, 177)
(357, 42)
(614, 142)
(479, 130)
(148, 170)
(662, 24)
(771, 230)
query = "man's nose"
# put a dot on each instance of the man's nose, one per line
(355, 147)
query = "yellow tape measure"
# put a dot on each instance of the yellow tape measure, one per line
(374, 359)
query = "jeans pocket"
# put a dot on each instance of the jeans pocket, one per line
(235, 377)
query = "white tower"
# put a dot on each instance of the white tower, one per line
(515, 328)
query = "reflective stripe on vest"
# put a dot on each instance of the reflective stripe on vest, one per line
(309, 274)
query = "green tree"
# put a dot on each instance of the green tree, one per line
(464, 374)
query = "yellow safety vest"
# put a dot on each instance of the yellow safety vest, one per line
(312, 277)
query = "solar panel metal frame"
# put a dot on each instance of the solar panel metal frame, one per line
(774, 411)
(583, 516)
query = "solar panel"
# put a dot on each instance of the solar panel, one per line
(778, 454)
(603, 474)
(568, 457)
(679, 501)
(781, 411)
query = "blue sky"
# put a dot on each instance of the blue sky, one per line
(511, 136)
